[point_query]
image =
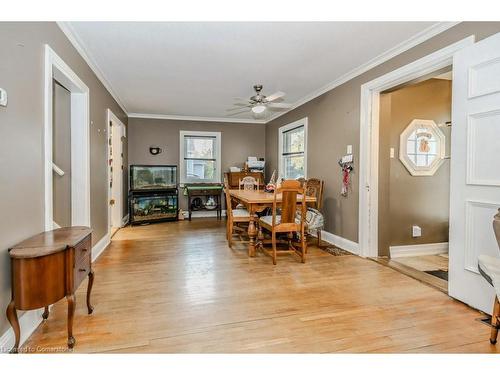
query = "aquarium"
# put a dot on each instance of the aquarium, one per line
(150, 208)
(152, 177)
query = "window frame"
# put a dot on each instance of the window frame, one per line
(283, 129)
(183, 179)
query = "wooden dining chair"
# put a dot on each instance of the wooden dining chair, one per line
(235, 217)
(314, 217)
(249, 183)
(286, 220)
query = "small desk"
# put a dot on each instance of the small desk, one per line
(46, 268)
(257, 201)
(206, 191)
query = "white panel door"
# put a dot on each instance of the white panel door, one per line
(475, 169)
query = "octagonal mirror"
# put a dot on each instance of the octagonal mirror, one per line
(422, 147)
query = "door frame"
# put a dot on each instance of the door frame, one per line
(56, 68)
(369, 136)
(111, 117)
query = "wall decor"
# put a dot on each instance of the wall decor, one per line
(155, 150)
(422, 147)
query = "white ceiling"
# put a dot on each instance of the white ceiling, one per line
(197, 69)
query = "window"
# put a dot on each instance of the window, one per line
(200, 156)
(293, 150)
(422, 147)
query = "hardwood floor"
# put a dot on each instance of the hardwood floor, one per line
(177, 287)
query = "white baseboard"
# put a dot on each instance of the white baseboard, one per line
(28, 322)
(340, 242)
(100, 246)
(418, 250)
(125, 220)
(203, 214)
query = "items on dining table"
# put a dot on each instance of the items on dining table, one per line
(271, 185)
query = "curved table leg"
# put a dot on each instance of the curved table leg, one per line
(71, 314)
(14, 322)
(90, 308)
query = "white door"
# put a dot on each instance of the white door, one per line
(475, 169)
(115, 150)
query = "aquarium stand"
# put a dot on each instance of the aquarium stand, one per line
(154, 206)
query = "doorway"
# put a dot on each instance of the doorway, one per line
(414, 177)
(116, 201)
(72, 98)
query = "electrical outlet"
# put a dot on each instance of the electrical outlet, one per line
(3, 97)
(416, 231)
(349, 149)
(392, 152)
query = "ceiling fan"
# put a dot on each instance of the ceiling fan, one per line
(259, 102)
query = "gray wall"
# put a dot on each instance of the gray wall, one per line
(334, 124)
(21, 140)
(405, 200)
(61, 154)
(238, 141)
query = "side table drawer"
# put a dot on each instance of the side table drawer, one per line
(81, 270)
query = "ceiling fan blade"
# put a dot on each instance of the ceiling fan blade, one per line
(277, 95)
(280, 105)
(238, 111)
(245, 108)
(242, 104)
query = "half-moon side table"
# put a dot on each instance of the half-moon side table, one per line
(46, 268)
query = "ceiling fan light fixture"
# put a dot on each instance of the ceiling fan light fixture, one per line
(258, 108)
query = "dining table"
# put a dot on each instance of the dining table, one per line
(257, 201)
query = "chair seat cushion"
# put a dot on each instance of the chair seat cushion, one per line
(269, 220)
(489, 267)
(314, 218)
(241, 212)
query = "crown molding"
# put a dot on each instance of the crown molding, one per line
(68, 30)
(415, 40)
(195, 118)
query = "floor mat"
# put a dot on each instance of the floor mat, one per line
(439, 273)
(335, 250)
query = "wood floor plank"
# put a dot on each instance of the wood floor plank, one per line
(178, 288)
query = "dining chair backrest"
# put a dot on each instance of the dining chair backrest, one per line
(249, 183)
(229, 208)
(302, 181)
(289, 191)
(314, 188)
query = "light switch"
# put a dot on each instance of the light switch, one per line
(392, 152)
(349, 149)
(416, 231)
(3, 97)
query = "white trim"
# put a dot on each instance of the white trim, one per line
(28, 323)
(100, 246)
(418, 250)
(218, 152)
(281, 130)
(125, 220)
(341, 242)
(369, 134)
(387, 55)
(56, 68)
(72, 36)
(195, 118)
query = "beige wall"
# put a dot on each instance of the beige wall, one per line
(406, 200)
(21, 140)
(238, 141)
(334, 124)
